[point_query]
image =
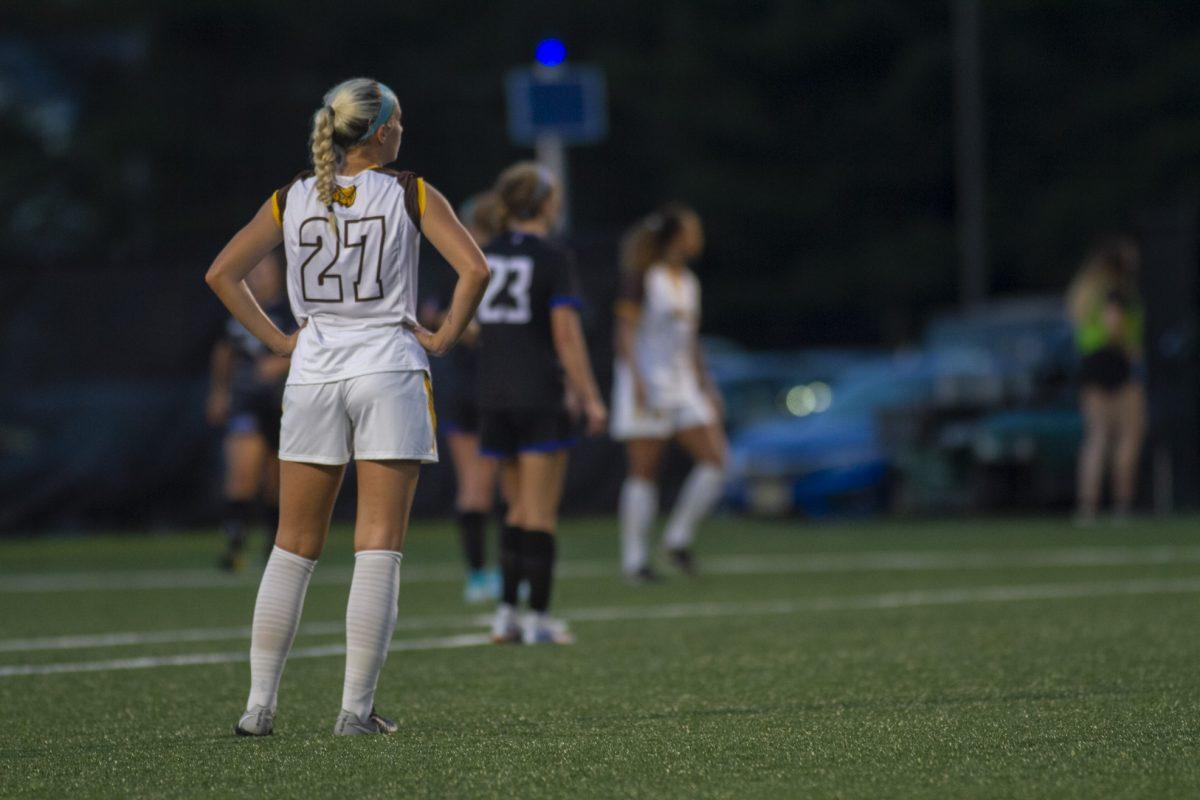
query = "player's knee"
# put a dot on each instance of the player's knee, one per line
(643, 470)
(305, 547)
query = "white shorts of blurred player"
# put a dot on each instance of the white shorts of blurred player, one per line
(383, 416)
(687, 408)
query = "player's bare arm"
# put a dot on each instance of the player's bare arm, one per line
(226, 277)
(447, 234)
(572, 351)
(628, 316)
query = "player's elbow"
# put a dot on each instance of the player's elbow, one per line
(213, 276)
(483, 272)
(477, 270)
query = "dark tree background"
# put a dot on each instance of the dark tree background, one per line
(814, 136)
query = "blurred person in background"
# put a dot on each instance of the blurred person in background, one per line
(662, 390)
(530, 339)
(1106, 311)
(245, 397)
(458, 414)
(358, 387)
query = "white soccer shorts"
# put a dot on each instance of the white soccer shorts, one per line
(383, 416)
(691, 410)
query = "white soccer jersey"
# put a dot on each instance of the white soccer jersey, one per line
(667, 303)
(355, 289)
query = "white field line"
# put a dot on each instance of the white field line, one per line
(815, 563)
(119, 639)
(888, 600)
(192, 659)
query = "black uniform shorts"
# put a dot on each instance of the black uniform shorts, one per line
(505, 433)
(457, 413)
(1108, 368)
(256, 412)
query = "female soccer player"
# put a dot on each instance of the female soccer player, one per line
(458, 417)
(662, 389)
(245, 397)
(358, 386)
(530, 336)
(1106, 309)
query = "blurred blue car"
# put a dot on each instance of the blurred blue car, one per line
(826, 452)
(830, 458)
(761, 385)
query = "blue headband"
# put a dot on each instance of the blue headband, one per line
(387, 105)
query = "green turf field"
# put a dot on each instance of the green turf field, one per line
(972, 658)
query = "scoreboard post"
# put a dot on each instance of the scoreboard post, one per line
(553, 104)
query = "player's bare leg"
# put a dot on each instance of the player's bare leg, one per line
(307, 492)
(1130, 426)
(638, 506)
(245, 455)
(1098, 436)
(385, 494)
(701, 491)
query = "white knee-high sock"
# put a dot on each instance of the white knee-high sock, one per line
(637, 508)
(370, 620)
(276, 617)
(700, 493)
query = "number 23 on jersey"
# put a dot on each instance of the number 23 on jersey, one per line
(507, 296)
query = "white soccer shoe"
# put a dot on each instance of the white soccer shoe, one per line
(350, 725)
(257, 721)
(541, 629)
(505, 629)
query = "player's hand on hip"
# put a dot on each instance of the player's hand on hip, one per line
(597, 417)
(434, 344)
(288, 345)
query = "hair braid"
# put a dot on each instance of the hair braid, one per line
(325, 161)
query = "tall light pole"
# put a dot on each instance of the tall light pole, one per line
(969, 180)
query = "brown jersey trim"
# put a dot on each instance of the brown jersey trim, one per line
(279, 204)
(414, 192)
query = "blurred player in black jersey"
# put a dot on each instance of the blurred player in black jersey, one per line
(245, 397)
(457, 402)
(530, 338)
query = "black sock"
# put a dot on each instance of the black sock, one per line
(510, 563)
(537, 556)
(270, 520)
(470, 532)
(235, 520)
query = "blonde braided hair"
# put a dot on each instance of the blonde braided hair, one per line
(338, 125)
(325, 162)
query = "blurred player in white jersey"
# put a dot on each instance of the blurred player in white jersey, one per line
(662, 390)
(245, 396)
(359, 384)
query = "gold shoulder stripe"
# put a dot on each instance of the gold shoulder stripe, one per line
(421, 196)
(275, 212)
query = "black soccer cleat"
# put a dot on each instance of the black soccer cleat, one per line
(231, 561)
(644, 576)
(683, 560)
(385, 725)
